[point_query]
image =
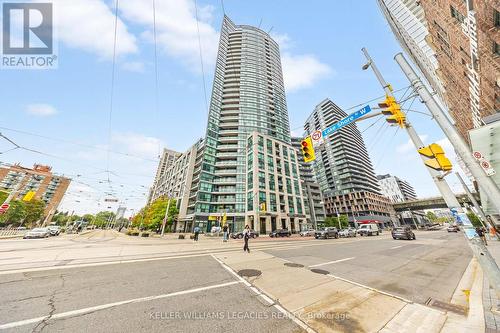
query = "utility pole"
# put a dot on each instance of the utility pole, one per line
(482, 254)
(485, 182)
(338, 215)
(165, 219)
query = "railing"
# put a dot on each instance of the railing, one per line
(11, 232)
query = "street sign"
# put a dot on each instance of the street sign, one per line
(4, 207)
(317, 138)
(485, 165)
(346, 121)
(477, 155)
(110, 200)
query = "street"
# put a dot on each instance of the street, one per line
(105, 281)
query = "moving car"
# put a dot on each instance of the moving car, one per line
(37, 233)
(326, 233)
(403, 233)
(369, 229)
(452, 228)
(280, 233)
(54, 230)
(239, 235)
(349, 232)
(306, 233)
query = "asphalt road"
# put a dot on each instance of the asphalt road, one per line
(185, 295)
(107, 282)
(429, 267)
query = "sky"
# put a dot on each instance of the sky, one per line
(65, 114)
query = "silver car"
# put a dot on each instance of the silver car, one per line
(37, 233)
(349, 232)
(54, 230)
(305, 233)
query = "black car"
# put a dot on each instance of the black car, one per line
(280, 233)
(403, 233)
(239, 235)
(327, 233)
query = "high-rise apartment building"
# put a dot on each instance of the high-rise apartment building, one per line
(248, 95)
(466, 43)
(396, 189)
(167, 159)
(48, 187)
(313, 198)
(344, 171)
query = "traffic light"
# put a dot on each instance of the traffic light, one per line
(307, 149)
(393, 110)
(438, 161)
(262, 207)
(29, 196)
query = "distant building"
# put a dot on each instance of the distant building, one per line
(48, 187)
(399, 190)
(167, 159)
(344, 171)
(313, 198)
(486, 139)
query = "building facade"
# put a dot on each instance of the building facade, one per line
(344, 171)
(275, 198)
(248, 95)
(167, 159)
(48, 187)
(407, 21)
(464, 35)
(313, 198)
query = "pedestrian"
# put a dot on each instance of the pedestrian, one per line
(481, 233)
(224, 230)
(246, 237)
(196, 233)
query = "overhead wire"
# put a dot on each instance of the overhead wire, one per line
(201, 56)
(157, 89)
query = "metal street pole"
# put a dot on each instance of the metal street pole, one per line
(485, 182)
(338, 216)
(165, 219)
(480, 251)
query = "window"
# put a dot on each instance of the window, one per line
(262, 180)
(496, 18)
(270, 164)
(261, 161)
(288, 186)
(271, 182)
(496, 48)
(249, 201)
(272, 202)
(250, 180)
(456, 14)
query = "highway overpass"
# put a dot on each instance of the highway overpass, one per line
(431, 203)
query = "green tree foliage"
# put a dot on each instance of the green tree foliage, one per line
(333, 221)
(15, 214)
(88, 218)
(474, 219)
(432, 217)
(102, 218)
(3, 196)
(34, 211)
(60, 218)
(151, 217)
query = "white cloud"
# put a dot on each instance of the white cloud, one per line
(283, 40)
(302, 71)
(409, 146)
(134, 66)
(89, 25)
(137, 144)
(41, 110)
(177, 32)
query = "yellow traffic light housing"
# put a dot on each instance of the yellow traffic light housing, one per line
(393, 110)
(307, 149)
(438, 160)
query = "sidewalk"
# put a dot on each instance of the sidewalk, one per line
(327, 303)
(490, 302)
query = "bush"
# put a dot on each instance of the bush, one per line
(132, 232)
(181, 237)
(145, 234)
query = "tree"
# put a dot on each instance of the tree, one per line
(15, 214)
(102, 218)
(344, 221)
(151, 217)
(88, 218)
(333, 221)
(3, 196)
(431, 216)
(35, 209)
(476, 222)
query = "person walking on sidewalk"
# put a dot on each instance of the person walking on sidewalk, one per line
(196, 233)
(246, 237)
(481, 234)
(224, 230)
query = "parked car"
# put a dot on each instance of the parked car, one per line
(239, 235)
(326, 233)
(37, 233)
(369, 229)
(349, 232)
(309, 232)
(403, 233)
(54, 230)
(453, 228)
(280, 233)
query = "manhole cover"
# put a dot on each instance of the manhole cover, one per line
(249, 272)
(292, 264)
(320, 271)
(447, 306)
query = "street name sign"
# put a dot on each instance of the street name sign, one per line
(346, 121)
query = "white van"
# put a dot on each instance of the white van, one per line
(369, 229)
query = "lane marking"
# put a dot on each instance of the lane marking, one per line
(265, 297)
(396, 247)
(111, 305)
(332, 262)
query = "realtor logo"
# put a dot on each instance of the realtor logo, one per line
(28, 36)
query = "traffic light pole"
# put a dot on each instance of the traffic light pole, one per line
(479, 249)
(486, 184)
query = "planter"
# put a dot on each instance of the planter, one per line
(182, 237)
(145, 234)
